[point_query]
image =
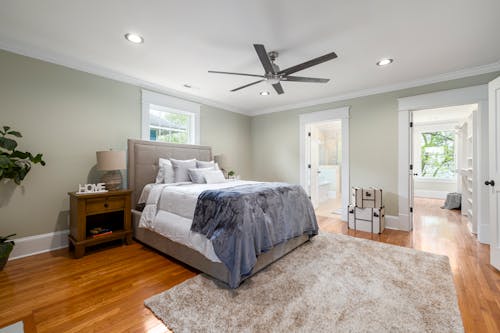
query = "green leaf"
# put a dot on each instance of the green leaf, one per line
(4, 162)
(15, 133)
(19, 154)
(7, 143)
(6, 128)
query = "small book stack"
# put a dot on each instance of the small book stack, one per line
(99, 232)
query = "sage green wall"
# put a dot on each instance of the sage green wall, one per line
(228, 133)
(373, 133)
(68, 115)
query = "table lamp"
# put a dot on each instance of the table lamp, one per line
(112, 162)
(221, 161)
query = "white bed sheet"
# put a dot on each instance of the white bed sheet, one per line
(178, 229)
(169, 211)
(181, 200)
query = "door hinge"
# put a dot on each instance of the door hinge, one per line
(411, 166)
(411, 209)
(309, 166)
(411, 123)
(309, 134)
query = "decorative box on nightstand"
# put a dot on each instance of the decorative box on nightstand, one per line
(108, 212)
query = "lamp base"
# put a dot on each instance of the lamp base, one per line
(113, 180)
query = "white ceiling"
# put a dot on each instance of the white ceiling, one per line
(184, 39)
(451, 113)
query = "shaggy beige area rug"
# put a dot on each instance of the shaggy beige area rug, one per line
(334, 283)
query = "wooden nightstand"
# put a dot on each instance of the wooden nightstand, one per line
(110, 210)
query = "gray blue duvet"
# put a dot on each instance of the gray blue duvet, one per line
(247, 220)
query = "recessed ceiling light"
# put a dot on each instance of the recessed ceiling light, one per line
(134, 38)
(264, 93)
(385, 62)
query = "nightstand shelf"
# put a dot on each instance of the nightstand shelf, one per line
(108, 210)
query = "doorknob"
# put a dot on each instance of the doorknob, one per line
(490, 182)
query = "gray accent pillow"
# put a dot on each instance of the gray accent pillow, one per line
(205, 164)
(198, 175)
(181, 169)
(165, 172)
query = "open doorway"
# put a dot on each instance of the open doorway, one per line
(325, 167)
(444, 154)
(324, 160)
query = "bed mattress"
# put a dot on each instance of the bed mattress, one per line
(170, 209)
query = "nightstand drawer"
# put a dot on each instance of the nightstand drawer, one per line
(100, 205)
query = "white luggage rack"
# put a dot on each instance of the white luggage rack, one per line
(367, 212)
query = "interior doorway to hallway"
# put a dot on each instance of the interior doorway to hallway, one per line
(444, 160)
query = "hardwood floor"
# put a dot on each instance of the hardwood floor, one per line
(104, 291)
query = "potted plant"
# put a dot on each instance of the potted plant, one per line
(14, 166)
(230, 174)
(6, 247)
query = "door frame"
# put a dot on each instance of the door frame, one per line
(306, 119)
(470, 95)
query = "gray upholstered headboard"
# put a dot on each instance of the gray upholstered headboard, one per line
(143, 160)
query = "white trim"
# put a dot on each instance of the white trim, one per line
(73, 63)
(70, 62)
(321, 116)
(441, 99)
(392, 222)
(484, 69)
(170, 103)
(28, 246)
(470, 95)
(430, 194)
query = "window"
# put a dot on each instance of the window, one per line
(436, 154)
(169, 119)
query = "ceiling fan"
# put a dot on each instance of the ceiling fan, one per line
(272, 73)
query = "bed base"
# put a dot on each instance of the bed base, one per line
(196, 260)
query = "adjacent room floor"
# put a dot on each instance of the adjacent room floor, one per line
(104, 291)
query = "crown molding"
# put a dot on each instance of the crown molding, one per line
(473, 71)
(73, 63)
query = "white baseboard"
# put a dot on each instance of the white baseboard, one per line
(28, 246)
(31, 245)
(484, 234)
(430, 194)
(392, 222)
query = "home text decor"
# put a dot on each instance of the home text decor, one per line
(92, 188)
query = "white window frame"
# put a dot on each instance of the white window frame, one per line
(432, 127)
(170, 104)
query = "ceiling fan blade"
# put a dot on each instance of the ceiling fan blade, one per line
(278, 88)
(232, 73)
(247, 85)
(304, 79)
(264, 58)
(307, 64)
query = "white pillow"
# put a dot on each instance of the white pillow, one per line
(181, 169)
(205, 164)
(214, 176)
(198, 175)
(165, 171)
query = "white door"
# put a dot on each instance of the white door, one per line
(411, 171)
(494, 171)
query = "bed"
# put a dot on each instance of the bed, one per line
(143, 159)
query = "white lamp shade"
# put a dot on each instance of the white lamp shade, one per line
(111, 160)
(220, 160)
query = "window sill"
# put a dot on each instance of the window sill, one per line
(435, 180)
